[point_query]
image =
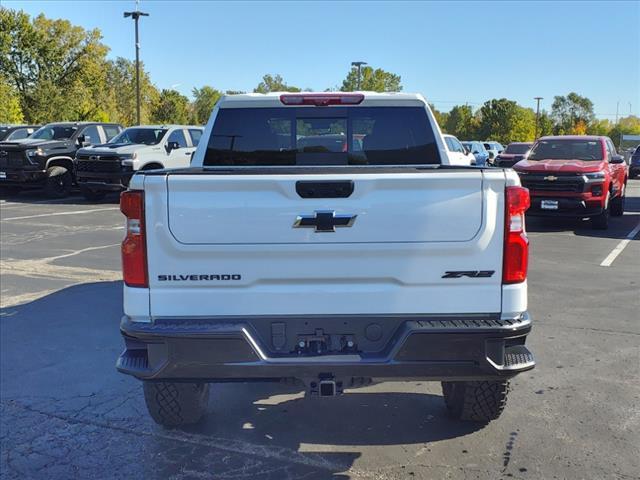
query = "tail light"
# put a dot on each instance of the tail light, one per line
(134, 246)
(516, 243)
(322, 99)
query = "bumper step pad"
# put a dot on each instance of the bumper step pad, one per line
(518, 357)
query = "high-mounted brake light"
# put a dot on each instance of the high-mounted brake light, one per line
(516, 243)
(134, 245)
(321, 99)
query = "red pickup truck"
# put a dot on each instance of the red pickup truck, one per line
(575, 176)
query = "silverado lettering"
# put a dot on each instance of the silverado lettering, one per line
(198, 278)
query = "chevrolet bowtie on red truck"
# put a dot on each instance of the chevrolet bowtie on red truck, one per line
(324, 240)
(575, 176)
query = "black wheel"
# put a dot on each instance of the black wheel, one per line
(475, 401)
(176, 404)
(93, 195)
(58, 182)
(617, 204)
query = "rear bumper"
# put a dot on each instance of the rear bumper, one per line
(427, 348)
(567, 207)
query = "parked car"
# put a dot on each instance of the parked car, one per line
(16, 132)
(45, 159)
(104, 168)
(634, 163)
(265, 261)
(576, 176)
(479, 152)
(494, 149)
(511, 155)
(458, 154)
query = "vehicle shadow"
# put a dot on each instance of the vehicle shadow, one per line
(38, 197)
(58, 354)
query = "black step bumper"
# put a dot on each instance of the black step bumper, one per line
(426, 348)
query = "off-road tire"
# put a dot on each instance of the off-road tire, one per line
(58, 182)
(176, 404)
(475, 401)
(617, 204)
(93, 195)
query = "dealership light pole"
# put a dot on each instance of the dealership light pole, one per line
(359, 66)
(136, 16)
(537, 99)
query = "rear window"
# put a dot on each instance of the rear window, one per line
(515, 149)
(321, 136)
(574, 149)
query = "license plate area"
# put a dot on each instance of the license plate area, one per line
(549, 204)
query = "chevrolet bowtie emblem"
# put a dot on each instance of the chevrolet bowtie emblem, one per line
(324, 221)
(551, 178)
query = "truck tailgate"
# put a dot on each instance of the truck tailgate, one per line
(234, 244)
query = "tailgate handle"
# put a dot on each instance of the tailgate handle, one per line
(326, 189)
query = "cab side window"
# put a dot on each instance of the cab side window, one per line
(91, 135)
(449, 142)
(195, 136)
(111, 131)
(178, 136)
(457, 146)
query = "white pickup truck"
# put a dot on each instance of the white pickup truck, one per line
(324, 239)
(108, 167)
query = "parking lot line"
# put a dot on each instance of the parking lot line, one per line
(77, 212)
(620, 247)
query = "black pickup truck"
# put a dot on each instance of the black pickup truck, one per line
(45, 159)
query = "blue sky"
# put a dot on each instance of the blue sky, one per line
(452, 52)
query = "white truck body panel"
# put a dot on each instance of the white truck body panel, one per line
(410, 229)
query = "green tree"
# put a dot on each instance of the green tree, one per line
(545, 124)
(599, 127)
(506, 121)
(172, 107)
(121, 92)
(441, 117)
(10, 111)
(56, 68)
(372, 80)
(462, 123)
(204, 99)
(571, 112)
(626, 126)
(274, 83)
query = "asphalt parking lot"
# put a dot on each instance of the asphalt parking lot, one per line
(66, 412)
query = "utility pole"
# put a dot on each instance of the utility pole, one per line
(537, 99)
(359, 66)
(136, 16)
(617, 107)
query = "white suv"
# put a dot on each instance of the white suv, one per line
(109, 167)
